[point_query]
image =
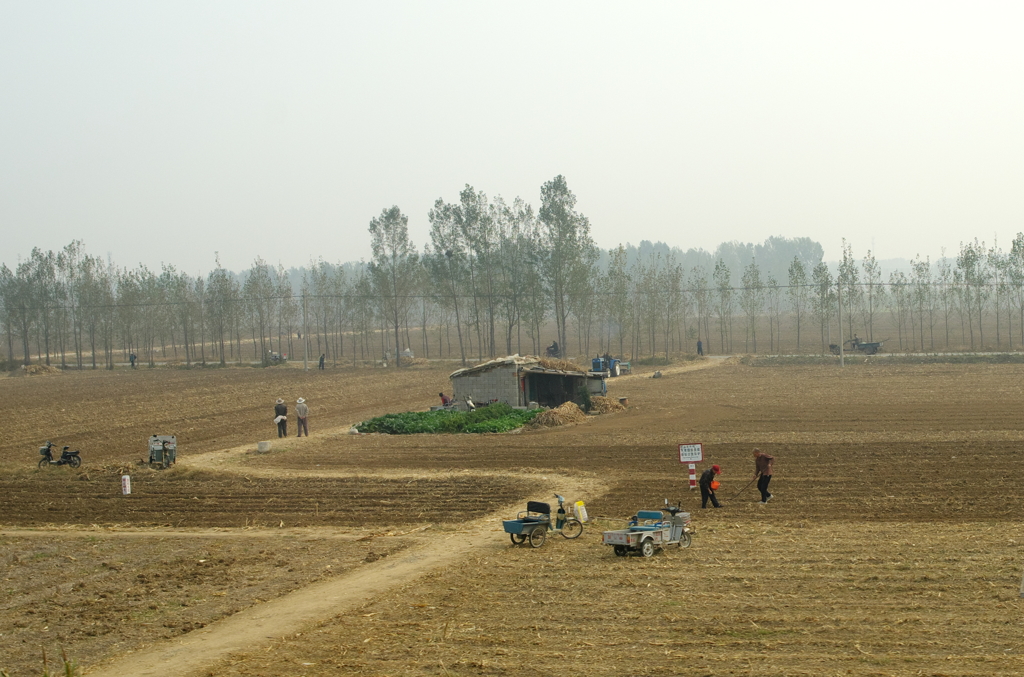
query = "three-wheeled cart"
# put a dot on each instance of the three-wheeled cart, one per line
(534, 523)
(163, 450)
(649, 530)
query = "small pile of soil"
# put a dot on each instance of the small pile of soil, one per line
(40, 369)
(604, 405)
(561, 365)
(562, 415)
(414, 362)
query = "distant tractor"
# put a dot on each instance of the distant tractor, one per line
(163, 450)
(856, 345)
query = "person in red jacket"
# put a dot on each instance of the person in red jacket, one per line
(763, 473)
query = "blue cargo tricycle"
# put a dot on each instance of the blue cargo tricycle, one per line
(534, 523)
(649, 530)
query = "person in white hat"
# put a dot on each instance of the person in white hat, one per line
(281, 418)
(302, 411)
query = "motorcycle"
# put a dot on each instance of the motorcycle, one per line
(66, 457)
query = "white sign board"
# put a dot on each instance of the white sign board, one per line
(691, 453)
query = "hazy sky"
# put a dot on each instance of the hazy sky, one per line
(165, 132)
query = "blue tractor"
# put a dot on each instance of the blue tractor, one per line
(606, 363)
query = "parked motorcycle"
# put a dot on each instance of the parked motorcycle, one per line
(66, 457)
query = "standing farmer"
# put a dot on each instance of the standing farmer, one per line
(763, 473)
(708, 484)
(302, 411)
(281, 418)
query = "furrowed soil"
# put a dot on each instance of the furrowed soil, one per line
(892, 546)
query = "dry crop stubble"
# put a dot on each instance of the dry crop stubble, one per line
(892, 547)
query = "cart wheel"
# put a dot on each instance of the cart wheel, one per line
(620, 550)
(74, 461)
(538, 535)
(517, 539)
(647, 547)
(43, 462)
(572, 528)
(685, 540)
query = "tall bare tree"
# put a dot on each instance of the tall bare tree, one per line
(568, 247)
(393, 269)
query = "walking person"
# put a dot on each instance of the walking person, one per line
(323, 356)
(301, 412)
(763, 473)
(700, 347)
(708, 485)
(281, 418)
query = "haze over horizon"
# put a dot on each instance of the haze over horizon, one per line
(167, 132)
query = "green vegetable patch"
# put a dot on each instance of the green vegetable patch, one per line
(496, 418)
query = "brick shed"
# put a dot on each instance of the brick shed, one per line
(518, 380)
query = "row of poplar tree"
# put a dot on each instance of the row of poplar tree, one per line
(497, 278)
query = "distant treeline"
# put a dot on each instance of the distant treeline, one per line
(499, 278)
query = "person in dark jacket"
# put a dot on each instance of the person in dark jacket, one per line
(706, 490)
(281, 417)
(763, 473)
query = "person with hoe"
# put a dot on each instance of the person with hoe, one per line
(763, 473)
(708, 486)
(281, 418)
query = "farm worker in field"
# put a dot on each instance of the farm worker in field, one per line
(281, 418)
(700, 347)
(763, 473)
(445, 400)
(302, 411)
(708, 485)
(323, 356)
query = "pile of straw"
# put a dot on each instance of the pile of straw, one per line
(40, 369)
(562, 415)
(561, 365)
(604, 405)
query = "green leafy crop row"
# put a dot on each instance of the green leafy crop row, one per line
(497, 418)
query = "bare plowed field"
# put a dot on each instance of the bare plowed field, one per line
(893, 545)
(182, 498)
(109, 415)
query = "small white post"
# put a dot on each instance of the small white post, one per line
(126, 484)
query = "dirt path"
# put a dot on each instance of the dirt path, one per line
(293, 612)
(707, 363)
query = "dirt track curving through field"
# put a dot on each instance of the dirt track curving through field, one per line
(290, 614)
